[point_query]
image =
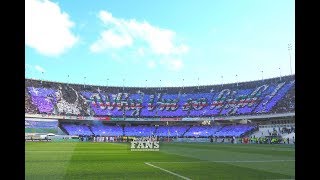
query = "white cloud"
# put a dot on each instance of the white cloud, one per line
(111, 40)
(47, 28)
(39, 68)
(161, 41)
(106, 17)
(142, 36)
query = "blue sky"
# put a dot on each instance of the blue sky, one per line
(139, 43)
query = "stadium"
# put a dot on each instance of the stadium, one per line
(242, 130)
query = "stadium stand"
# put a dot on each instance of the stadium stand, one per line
(92, 112)
(105, 130)
(74, 129)
(171, 131)
(202, 131)
(139, 131)
(233, 130)
(248, 98)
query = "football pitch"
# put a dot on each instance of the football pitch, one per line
(86, 160)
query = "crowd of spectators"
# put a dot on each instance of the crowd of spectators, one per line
(141, 130)
(102, 130)
(158, 131)
(246, 98)
(29, 107)
(202, 131)
(171, 131)
(74, 129)
(287, 104)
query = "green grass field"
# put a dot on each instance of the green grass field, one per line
(50, 160)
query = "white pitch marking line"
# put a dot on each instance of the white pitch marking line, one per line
(258, 161)
(225, 161)
(167, 171)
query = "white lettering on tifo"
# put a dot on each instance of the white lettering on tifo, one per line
(145, 144)
(133, 143)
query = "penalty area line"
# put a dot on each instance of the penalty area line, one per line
(149, 164)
